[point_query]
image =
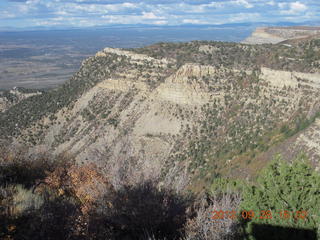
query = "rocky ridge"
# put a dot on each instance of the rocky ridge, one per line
(144, 114)
(11, 97)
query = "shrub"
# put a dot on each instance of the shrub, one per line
(24, 200)
(17, 166)
(225, 185)
(113, 121)
(202, 227)
(139, 210)
(284, 187)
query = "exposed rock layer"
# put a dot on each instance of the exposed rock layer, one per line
(280, 34)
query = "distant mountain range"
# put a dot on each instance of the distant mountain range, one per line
(243, 24)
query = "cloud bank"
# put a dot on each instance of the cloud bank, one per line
(84, 13)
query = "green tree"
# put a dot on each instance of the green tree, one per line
(289, 192)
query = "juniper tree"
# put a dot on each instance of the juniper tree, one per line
(290, 192)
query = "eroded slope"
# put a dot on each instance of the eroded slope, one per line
(199, 109)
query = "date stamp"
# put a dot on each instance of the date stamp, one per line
(262, 214)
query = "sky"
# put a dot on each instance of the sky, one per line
(86, 13)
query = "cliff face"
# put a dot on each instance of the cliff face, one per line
(184, 87)
(147, 113)
(279, 34)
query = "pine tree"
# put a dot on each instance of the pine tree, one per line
(285, 195)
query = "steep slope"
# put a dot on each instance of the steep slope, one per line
(198, 109)
(305, 142)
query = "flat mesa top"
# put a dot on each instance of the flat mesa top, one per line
(279, 34)
(315, 28)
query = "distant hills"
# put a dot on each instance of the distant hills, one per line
(243, 24)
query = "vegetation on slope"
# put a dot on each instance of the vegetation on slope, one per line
(245, 119)
(302, 56)
(240, 126)
(288, 195)
(235, 127)
(53, 198)
(26, 112)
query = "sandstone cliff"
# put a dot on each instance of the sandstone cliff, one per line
(196, 109)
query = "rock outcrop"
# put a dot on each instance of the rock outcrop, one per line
(279, 34)
(11, 97)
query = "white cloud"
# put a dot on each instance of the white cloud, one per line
(161, 22)
(206, 7)
(63, 13)
(7, 14)
(271, 3)
(214, 4)
(91, 12)
(22, 9)
(133, 19)
(88, 10)
(33, 2)
(187, 8)
(150, 15)
(129, 5)
(193, 21)
(240, 17)
(244, 3)
(294, 8)
(297, 6)
(282, 4)
(119, 7)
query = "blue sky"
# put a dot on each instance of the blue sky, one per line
(85, 13)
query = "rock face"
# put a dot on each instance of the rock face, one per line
(134, 58)
(184, 87)
(282, 79)
(190, 108)
(279, 34)
(261, 36)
